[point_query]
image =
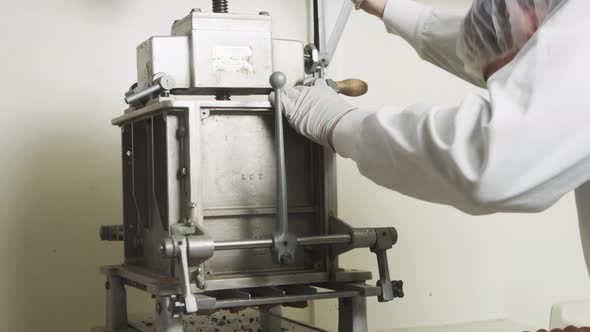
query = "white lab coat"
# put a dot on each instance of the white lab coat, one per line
(519, 151)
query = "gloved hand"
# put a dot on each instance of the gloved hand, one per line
(313, 111)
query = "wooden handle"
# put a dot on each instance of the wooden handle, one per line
(352, 87)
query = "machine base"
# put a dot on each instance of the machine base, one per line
(246, 320)
(169, 317)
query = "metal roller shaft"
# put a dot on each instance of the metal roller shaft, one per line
(265, 244)
(163, 83)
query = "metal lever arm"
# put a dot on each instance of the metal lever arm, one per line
(284, 243)
(386, 238)
(343, 17)
(325, 49)
(188, 249)
(190, 302)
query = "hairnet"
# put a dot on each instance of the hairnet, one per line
(493, 29)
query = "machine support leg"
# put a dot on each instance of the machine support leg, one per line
(269, 321)
(166, 319)
(352, 314)
(116, 304)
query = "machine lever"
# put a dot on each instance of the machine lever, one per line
(194, 250)
(352, 87)
(190, 302)
(284, 243)
(164, 83)
(386, 238)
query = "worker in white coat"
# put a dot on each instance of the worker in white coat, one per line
(521, 150)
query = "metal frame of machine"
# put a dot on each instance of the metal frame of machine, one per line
(172, 254)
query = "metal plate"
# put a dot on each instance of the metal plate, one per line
(239, 162)
(238, 178)
(228, 50)
(229, 153)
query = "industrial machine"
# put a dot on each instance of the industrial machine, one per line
(225, 206)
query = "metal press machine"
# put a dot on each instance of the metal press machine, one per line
(225, 206)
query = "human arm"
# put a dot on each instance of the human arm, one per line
(519, 151)
(433, 33)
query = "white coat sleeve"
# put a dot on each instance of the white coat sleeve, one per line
(521, 151)
(432, 32)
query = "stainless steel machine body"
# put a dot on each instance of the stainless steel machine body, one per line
(223, 205)
(211, 164)
(210, 50)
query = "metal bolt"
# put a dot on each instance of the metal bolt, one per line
(286, 258)
(107, 285)
(263, 13)
(186, 221)
(182, 132)
(196, 10)
(200, 281)
(167, 248)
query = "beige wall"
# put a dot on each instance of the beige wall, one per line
(456, 267)
(65, 65)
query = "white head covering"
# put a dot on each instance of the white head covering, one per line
(493, 29)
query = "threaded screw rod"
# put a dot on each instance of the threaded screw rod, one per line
(220, 6)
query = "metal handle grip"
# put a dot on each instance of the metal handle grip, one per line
(277, 81)
(284, 243)
(352, 87)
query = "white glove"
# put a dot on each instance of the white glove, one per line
(313, 111)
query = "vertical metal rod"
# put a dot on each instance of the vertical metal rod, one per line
(282, 226)
(284, 243)
(116, 304)
(316, 24)
(343, 17)
(322, 26)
